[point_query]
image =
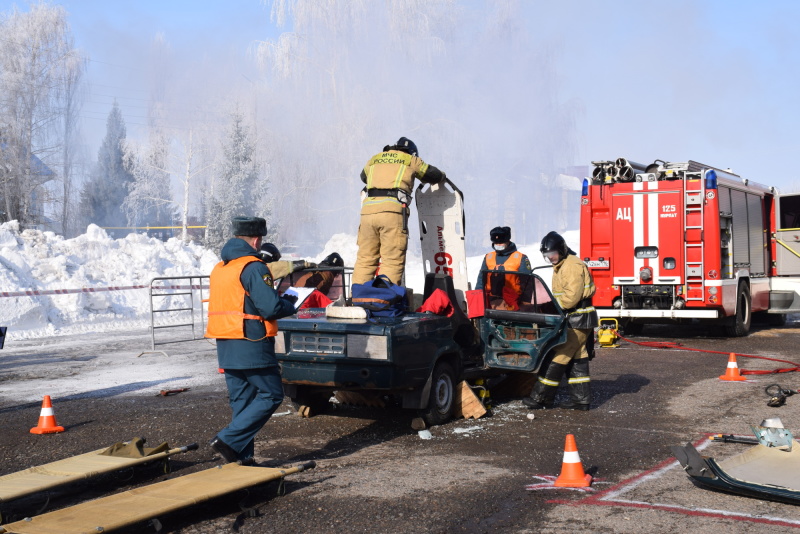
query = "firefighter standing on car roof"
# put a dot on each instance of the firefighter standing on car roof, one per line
(506, 257)
(573, 288)
(242, 311)
(383, 231)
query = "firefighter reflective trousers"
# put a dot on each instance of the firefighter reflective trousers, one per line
(572, 359)
(381, 239)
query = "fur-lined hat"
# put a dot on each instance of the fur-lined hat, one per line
(249, 226)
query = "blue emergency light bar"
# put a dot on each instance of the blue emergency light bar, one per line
(585, 188)
(711, 179)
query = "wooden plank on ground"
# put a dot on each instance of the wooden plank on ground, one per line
(468, 405)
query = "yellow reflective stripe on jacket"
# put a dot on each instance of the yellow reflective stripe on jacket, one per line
(392, 169)
(398, 179)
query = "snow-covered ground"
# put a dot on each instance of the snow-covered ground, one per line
(85, 344)
(92, 265)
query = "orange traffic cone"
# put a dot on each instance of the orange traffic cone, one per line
(572, 475)
(47, 419)
(732, 372)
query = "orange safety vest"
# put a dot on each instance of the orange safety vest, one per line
(513, 263)
(226, 302)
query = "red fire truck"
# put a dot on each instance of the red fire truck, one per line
(669, 242)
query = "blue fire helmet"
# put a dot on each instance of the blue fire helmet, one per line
(407, 145)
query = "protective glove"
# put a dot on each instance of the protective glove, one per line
(299, 265)
(290, 298)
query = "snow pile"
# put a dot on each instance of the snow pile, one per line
(43, 261)
(32, 260)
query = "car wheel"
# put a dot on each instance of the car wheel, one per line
(441, 401)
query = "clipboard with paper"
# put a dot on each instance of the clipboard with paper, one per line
(301, 293)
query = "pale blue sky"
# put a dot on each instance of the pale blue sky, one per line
(710, 80)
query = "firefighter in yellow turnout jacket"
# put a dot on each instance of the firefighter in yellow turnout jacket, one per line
(573, 288)
(383, 232)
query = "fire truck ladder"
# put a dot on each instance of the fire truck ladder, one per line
(693, 252)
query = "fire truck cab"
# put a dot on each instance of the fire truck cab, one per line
(668, 242)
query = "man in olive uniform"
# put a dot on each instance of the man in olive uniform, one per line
(243, 309)
(573, 288)
(383, 232)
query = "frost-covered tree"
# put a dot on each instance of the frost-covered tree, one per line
(149, 201)
(38, 64)
(70, 97)
(150, 195)
(111, 179)
(238, 188)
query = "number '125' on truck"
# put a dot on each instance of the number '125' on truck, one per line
(672, 242)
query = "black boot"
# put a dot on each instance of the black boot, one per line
(224, 450)
(544, 391)
(580, 393)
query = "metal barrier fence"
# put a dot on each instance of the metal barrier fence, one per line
(185, 301)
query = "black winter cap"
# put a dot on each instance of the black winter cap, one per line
(249, 226)
(500, 234)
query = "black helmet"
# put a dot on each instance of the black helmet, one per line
(406, 145)
(269, 253)
(553, 242)
(332, 260)
(500, 234)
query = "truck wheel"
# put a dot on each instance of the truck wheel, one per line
(442, 396)
(739, 324)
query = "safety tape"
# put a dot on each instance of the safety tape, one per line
(37, 293)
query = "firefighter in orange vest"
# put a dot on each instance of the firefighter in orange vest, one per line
(506, 291)
(242, 312)
(383, 231)
(573, 287)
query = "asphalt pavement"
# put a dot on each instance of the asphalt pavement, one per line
(376, 474)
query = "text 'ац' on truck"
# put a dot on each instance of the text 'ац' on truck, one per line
(675, 242)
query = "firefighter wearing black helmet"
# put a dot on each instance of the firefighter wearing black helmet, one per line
(573, 288)
(383, 232)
